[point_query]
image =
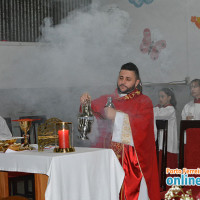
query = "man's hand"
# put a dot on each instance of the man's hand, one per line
(85, 97)
(110, 113)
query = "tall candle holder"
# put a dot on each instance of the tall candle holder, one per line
(25, 125)
(64, 133)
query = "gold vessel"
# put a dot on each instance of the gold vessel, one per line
(25, 125)
(46, 134)
(4, 144)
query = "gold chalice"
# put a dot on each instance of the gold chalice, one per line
(25, 125)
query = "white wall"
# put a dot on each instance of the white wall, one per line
(87, 53)
(168, 20)
(23, 66)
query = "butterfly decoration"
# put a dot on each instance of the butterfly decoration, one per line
(139, 3)
(151, 47)
(196, 20)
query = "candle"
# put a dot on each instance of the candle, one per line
(63, 136)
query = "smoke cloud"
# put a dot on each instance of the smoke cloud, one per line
(85, 51)
(87, 48)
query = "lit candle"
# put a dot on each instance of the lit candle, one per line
(63, 136)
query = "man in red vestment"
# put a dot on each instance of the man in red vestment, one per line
(132, 137)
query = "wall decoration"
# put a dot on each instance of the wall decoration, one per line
(151, 47)
(196, 20)
(139, 3)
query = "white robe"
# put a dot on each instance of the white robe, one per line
(191, 109)
(4, 130)
(168, 113)
(122, 134)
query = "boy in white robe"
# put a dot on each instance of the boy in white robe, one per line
(191, 110)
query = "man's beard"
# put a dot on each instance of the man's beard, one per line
(129, 90)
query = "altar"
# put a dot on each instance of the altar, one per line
(86, 174)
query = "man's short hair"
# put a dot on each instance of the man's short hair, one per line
(131, 67)
(196, 81)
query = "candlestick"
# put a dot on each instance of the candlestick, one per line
(63, 136)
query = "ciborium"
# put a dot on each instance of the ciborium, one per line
(85, 120)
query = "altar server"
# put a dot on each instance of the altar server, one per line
(165, 110)
(192, 109)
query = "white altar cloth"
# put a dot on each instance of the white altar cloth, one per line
(86, 174)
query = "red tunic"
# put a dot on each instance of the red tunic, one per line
(140, 159)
